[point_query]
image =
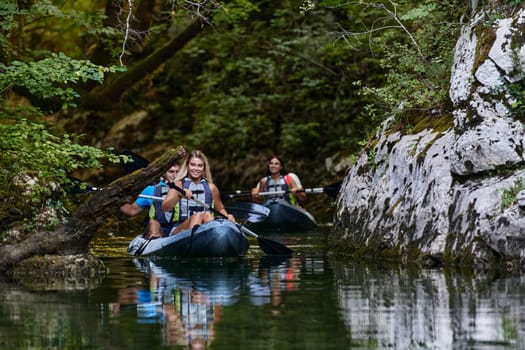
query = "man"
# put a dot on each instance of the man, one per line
(157, 222)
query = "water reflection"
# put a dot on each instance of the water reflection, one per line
(430, 309)
(271, 277)
(307, 301)
(186, 297)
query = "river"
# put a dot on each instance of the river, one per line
(307, 301)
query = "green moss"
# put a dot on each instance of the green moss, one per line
(508, 197)
(415, 122)
(439, 124)
(486, 37)
(423, 154)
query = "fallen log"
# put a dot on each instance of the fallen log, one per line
(73, 237)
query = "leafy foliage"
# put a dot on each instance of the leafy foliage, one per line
(32, 149)
(416, 53)
(48, 78)
(517, 91)
(25, 34)
(310, 82)
(508, 196)
(275, 83)
(308, 86)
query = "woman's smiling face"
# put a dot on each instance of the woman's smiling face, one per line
(274, 166)
(195, 168)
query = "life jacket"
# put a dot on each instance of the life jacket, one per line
(282, 185)
(186, 207)
(155, 210)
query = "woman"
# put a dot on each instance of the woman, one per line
(278, 179)
(196, 180)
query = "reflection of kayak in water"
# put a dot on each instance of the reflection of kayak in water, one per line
(184, 295)
(220, 278)
(217, 238)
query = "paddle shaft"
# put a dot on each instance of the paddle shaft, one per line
(201, 203)
(315, 190)
(213, 210)
(267, 245)
(251, 212)
(155, 198)
(306, 190)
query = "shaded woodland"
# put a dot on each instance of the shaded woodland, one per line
(310, 81)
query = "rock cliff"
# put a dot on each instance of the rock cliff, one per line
(448, 195)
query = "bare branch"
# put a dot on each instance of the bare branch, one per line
(126, 35)
(392, 14)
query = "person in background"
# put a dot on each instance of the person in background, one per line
(292, 175)
(278, 179)
(157, 222)
(196, 180)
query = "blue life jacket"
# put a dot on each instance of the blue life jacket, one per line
(155, 210)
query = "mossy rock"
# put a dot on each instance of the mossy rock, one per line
(59, 272)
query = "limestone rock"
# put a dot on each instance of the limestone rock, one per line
(438, 196)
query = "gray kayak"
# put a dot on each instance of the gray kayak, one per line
(285, 217)
(217, 238)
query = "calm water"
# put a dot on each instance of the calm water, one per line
(308, 301)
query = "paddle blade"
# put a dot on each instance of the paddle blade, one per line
(271, 247)
(333, 189)
(251, 212)
(137, 162)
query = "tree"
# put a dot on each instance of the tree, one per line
(241, 79)
(73, 236)
(413, 40)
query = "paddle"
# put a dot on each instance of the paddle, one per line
(267, 245)
(78, 186)
(330, 190)
(251, 212)
(137, 162)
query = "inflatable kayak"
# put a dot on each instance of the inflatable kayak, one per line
(217, 238)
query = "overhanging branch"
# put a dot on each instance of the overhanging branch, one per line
(105, 97)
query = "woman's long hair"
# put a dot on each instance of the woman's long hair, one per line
(184, 169)
(283, 170)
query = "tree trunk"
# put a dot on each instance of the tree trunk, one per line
(74, 237)
(108, 95)
(102, 53)
(143, 17)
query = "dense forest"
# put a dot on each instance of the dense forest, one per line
(309, 80)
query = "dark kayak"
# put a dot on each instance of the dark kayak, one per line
(217, 238)
(285, 217)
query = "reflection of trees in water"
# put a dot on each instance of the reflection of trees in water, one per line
(42, 320)
(404, 308)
